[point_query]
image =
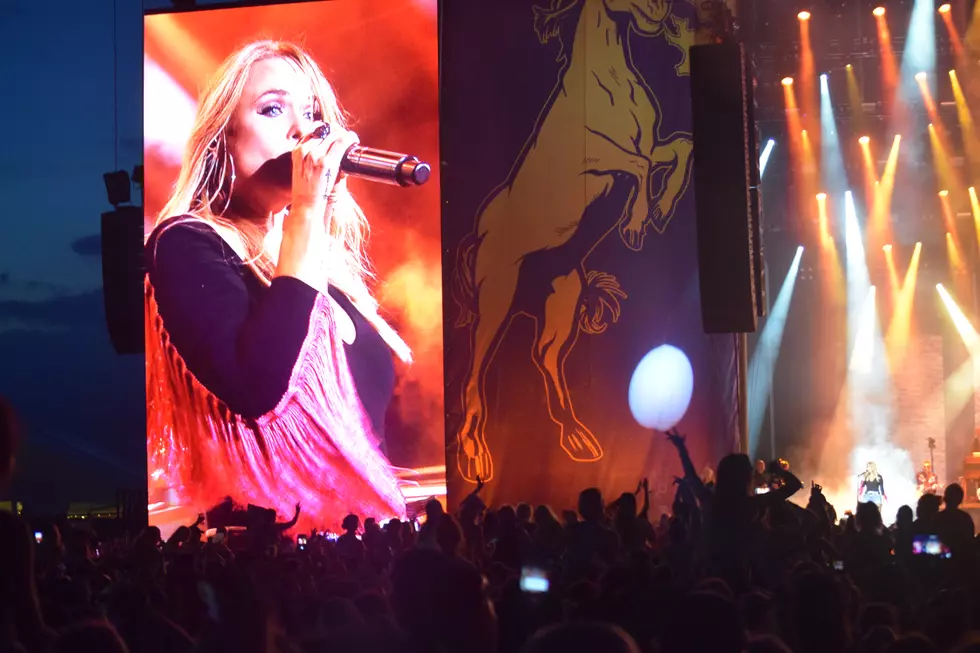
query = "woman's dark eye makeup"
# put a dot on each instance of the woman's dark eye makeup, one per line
(276, 109)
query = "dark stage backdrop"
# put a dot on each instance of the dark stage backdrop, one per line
(569, 246)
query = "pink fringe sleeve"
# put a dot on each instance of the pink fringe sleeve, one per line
(315, 448)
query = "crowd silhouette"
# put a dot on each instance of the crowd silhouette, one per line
(728, 570)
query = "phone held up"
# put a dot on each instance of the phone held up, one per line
(534, 580)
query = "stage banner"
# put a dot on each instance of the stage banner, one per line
(570, 253)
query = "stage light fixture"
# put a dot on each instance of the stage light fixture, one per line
(848, 66)
(821, 197)
(920, 77)
(787, 81)
(805, 15)
(944, 8)
(879, 11)
(886, 248)
(864, 140)
(943, 193)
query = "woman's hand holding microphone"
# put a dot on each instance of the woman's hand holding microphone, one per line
(316, 182)
(316, 167)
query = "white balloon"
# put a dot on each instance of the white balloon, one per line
(661, 388)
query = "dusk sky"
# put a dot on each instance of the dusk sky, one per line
(75, 70)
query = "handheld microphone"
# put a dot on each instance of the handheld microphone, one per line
(386, 167)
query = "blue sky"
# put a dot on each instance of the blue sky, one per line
(73, 71)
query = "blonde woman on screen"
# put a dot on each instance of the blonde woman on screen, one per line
(269, 366)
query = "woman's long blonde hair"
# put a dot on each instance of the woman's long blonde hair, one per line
(206, 181)
(871, 472)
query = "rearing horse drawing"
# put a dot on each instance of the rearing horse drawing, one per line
(528, 252)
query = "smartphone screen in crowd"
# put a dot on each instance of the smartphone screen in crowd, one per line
(929, 545)
(534, 580)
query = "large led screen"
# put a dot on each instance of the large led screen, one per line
(293, 294)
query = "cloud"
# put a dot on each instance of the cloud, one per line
(88, 245)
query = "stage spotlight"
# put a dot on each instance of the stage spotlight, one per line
(879, 11)
(803, 132)
(805, 15)
(920, 77)
(848, 66)
(821, 197)
(943, 193)
(864, 140)
(787, 81)
(886, 248)
(943, 8)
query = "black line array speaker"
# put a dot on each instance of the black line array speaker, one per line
(726, 181)
(123, 269)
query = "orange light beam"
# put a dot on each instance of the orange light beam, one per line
(959, 52)
(796, 141)
(952, 237)
(975, 210)
(823, 221)
(810, 168)
(883, 195)
(889, 68)
(833, 278)
(899, 327)
(892, 271)
(923, 81)
(940, 159)
(854, 97)
(965, 117)
(870, 175)
(808, 77)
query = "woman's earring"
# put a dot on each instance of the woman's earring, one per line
(231, 181)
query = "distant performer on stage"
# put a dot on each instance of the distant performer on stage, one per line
(926, 480)
(775, 480)
(872, 487)
(269, 366)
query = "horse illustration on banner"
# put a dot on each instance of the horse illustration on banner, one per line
(534, 233)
